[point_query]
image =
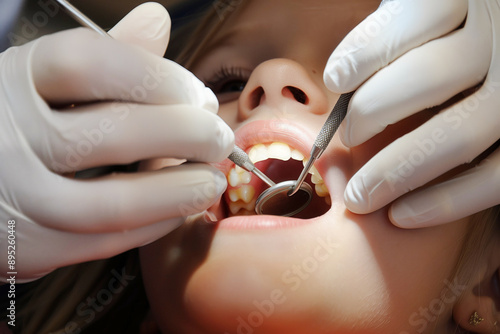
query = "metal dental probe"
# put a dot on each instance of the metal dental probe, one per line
(238, 156)
(324, 137)
(81, 18)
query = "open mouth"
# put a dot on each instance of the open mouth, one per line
(281, 159)
(280, 162)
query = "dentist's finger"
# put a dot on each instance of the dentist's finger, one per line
(44, 257)
(471, 192)
(118, 133)
(64, 71)
(419, 80)
(395, 28)
(147, 26)
(448, 140)
(122, 202)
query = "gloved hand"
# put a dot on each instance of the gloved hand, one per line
(129, 105)
(406, 57)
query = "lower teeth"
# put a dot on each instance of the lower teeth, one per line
(242, 208)
(246, 193)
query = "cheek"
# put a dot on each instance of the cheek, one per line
(229, 113)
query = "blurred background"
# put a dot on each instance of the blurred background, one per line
(25, 20)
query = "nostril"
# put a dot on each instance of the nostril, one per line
(297, 93)
(255, 97)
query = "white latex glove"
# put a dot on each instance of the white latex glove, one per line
(406, 57)
(130, 105)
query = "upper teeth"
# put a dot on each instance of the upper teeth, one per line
(281, 151)
(241, 195)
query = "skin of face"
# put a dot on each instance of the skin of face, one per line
(337, 273)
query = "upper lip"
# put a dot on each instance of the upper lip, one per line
(269, 131)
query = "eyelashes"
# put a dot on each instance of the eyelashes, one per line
(228, 82)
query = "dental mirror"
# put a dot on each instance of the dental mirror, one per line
(276, 201)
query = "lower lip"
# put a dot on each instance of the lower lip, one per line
(263, 222)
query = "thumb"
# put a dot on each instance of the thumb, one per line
(147, 26)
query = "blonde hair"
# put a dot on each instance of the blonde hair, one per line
(209, 25)
(483, 230)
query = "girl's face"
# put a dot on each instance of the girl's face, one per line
(329, 271)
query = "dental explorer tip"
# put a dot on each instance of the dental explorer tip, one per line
(241, 159)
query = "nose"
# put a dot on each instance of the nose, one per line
(281, 85)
